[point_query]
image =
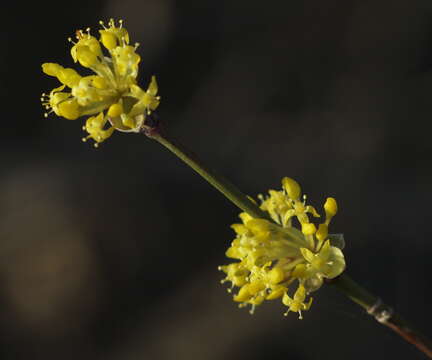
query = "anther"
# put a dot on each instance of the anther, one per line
(79, 34)
(300, 315)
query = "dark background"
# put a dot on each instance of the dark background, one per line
(112, 253)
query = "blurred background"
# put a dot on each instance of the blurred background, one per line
(112, 253)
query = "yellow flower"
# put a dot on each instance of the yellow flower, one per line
(297, 304)
(275, 257)
(111, 97)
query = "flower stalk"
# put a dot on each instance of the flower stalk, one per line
(358, 294)
(229, 190)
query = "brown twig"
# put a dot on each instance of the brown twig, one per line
(382, 313)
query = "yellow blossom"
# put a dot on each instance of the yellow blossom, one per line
(297, 304)
(277, 258)
(111, 97)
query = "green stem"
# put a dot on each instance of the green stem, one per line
(372, 304)
(220, 183)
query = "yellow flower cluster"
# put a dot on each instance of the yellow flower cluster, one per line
(111, 97)
(275, 256)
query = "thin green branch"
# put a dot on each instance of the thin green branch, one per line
(220, 183)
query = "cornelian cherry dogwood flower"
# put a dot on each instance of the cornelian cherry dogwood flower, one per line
(276, 258)
(111, 96)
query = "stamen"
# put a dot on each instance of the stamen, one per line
(79, 34)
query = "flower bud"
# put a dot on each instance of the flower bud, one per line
(292, 188)
(69, 109)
